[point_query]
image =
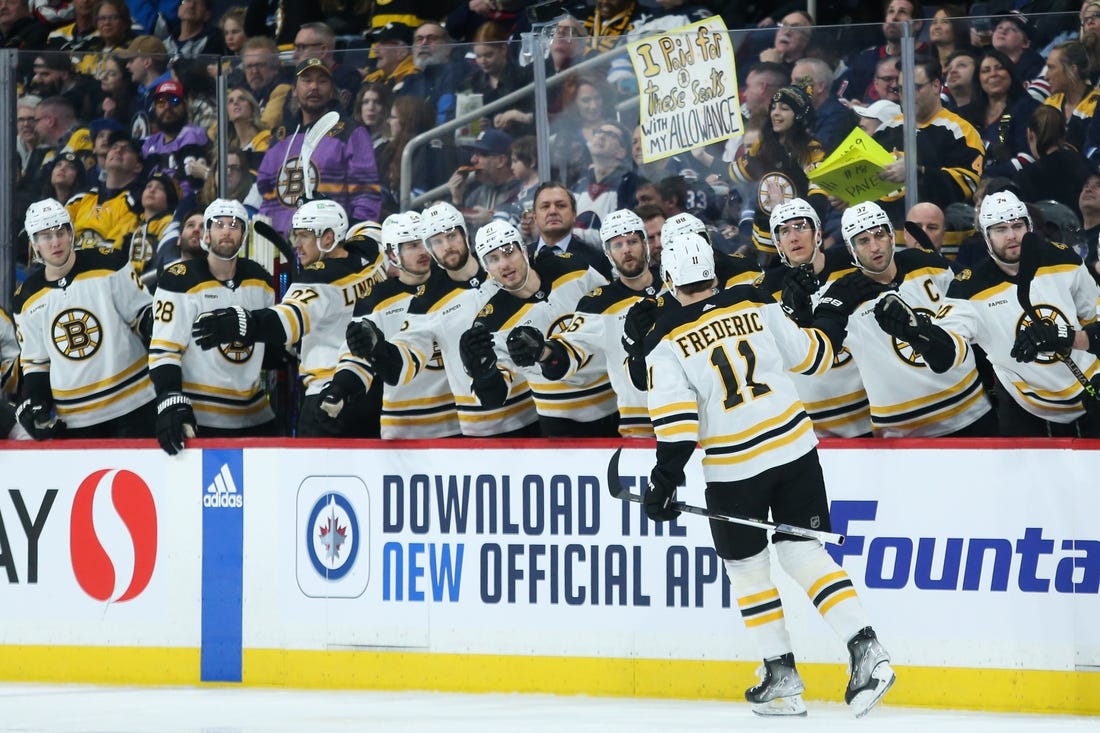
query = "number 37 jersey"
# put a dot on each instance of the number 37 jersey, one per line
(719, 376)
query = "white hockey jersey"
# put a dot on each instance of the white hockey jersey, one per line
(223, 383)
(9, 355)
(80, 330)
(719, 376)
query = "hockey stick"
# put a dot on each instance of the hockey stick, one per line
(284, 248)
(313, 138)
(615, 486)
(921, 237)
(1029, 266)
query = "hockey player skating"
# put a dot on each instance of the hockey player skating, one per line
(218, 389)
(83, 319)
(597, 326)
(836, 400)
(719, 376)
(424, 406)
(1037, 395)
(315, 311)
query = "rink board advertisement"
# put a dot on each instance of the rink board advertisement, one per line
(258, 565)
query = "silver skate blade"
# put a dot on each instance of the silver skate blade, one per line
(883, 675)
(789, 706)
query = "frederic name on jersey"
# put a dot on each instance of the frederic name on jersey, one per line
(707, 334)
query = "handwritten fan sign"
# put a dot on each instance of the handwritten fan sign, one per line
(688, 88)
(852, 171)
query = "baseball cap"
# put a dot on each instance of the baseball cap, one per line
(397, 32)
(492, 142)
(100, 124)
(171, 188)
(312, 63)
(144, 46)
(1020, 20)
(883, 110)
(171, 87)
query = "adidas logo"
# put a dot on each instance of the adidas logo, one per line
(222, 491)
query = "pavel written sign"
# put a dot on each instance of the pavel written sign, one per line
(688, 88)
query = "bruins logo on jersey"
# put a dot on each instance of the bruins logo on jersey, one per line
(318, 265)
(291, 184)
(1047, 314)
(1059, 245)
(758, 282)
(236, 352)
(964, 275)
(906, 352)
(178, 269)
(91, 239)
(559, 324)
(774, 180)
(486, 311)
(596, 293)
(77, 334)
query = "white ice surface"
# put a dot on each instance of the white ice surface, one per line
(87, 708)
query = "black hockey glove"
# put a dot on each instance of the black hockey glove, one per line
(366, 341)
(799, 286)
(39, 419)
(475, 346)
(898, 319)
(224, 326)
(851, 291)
(334, 397)
(175, 422)
(525, 345)
(1042, 337)
(659, 498)
(639, 322)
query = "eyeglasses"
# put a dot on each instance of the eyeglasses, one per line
(170, 100)
(1090, 18)
(610, 133)
(308, 46)
(25, 120)
(258, 66)
(888, 79)
(231, 224)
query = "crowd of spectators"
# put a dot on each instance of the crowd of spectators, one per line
(117, 114)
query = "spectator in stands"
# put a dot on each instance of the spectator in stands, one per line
(58, 128)
(555, 217)
(490, 185)
(885, 83)
(497, 75)
(54, 75)
(100, 130)
(106, 212)
(864, 65)
(1000, 112)
(260, 59)
(872, 117)
(761, 84)
(654, 219)
(647, 194)
(437, 77)
(950, 153)
(1088, 202)
(121, 103)
(180, 149)
(609, 21)
(572, 130)
(113, 33)
(280, 19)
(948, 32)
(147, 63)
(26, 137)
(930, 219)
(372, 110)
(20, 30)
(832, 119)
(68, 177)
(194, 36)
(248, 134)
(1012, 36)
(960, 79)
(1059, 170)
(157, 205)
(791, 38)
(432, 164)
(231, 25)
(609, 183)
(239, 180)
(654, 170)
(1067, 72)
(392, 49)
(75, 36)
(1090, 33)
(316, 40)
(343, 160)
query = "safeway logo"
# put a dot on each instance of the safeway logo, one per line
(113, 535)
(222, 491)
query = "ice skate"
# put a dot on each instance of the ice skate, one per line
(780, 688)
(871, 673)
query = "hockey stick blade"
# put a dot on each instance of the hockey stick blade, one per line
(920, 236)
(312, 139)
(617, 490)
(1029, 267)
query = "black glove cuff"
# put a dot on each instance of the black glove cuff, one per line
(1092, 330)
(173, 399)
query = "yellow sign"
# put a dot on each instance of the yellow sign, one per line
(687, 85)
(852, 171)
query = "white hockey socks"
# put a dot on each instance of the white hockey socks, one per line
(827, 585)
(758, 599)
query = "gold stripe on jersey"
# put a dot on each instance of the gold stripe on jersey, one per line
(817, 360)
(634, 422)
(129, 388)
(781, 430)
(1067, 401)
(902, 413)
(761, 608)
(676, 421)
(324, 374)
(835, 413)
(567, 404)
(470, 410)
(115, 379)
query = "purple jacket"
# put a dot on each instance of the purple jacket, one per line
(342, 169)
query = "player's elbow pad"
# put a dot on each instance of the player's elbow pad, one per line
(491, 389)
